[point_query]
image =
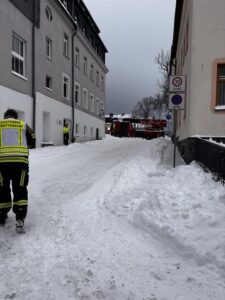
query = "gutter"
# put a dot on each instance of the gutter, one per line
(72, 85)
(176, 31)
(33, 66)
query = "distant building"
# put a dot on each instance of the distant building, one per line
(198, 51)
(53, 68)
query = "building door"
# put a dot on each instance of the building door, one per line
(97, 133)
(46, 127)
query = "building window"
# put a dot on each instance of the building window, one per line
(91, 102)
(18, 55)
(92, 132)
(85, 130)
(220, 97)
(77, 93)
(77, 129)
(85, 98)
(92, 40)
(48, 82)
(84, 30)
(92, 72)
(102, 83)
(97, 78)
(65, 86)
(97, 104)
(85, 65)
(101, 110)
(66, 45)
(48, 47)
(77, 56)
(48, 13)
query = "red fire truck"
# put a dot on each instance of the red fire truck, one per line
(134, 127)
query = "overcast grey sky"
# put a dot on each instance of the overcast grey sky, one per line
(133, 31)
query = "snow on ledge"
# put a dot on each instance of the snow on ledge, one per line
(220, 107)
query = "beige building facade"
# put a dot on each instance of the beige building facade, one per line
(198, 52)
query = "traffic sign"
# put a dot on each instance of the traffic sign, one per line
(168, 116)
(177, 83)
(176, 101)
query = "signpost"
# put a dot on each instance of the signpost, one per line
(177, 89)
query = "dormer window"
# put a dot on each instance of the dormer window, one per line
(48, 13)
(66, 45)
(84, 30)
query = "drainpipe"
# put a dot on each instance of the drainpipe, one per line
(33, 66)
(73, 77)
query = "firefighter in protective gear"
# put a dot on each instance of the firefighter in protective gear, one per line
(65, 134)
(15, 139)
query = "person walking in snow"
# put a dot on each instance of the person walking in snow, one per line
(15, 139)
(66, 134)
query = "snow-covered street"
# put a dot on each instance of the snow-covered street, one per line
(112, 219)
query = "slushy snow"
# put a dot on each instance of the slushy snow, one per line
(112, 219)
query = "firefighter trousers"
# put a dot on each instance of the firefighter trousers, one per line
(15, 176)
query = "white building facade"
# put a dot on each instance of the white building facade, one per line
(53, 68)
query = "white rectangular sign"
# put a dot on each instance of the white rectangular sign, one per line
(177, 83)
(176, 101)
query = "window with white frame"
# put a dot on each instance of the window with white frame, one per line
(77, 93)
(84, 30)
(102, 83)
(101, 110)
(85, 98)
(85, 65)
(66, 45)
(77, 129)
(92, 72)
(48, 42)
(48, 13)
(77, 57)
(18, 55)
(97, 78)
(220, 97)
(48, 82)
(91, 102)
(85, 130)
(65, 86)
(97, 105)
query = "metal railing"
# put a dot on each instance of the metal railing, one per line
(211, 156)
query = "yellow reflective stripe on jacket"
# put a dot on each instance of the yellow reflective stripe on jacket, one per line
(20, 137)
(11, 123)
(22, 177)
(5, 205)
(14, 159)
(13, 150)
(20, 202)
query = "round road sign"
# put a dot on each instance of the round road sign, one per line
(176, 99)
(177, 81)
